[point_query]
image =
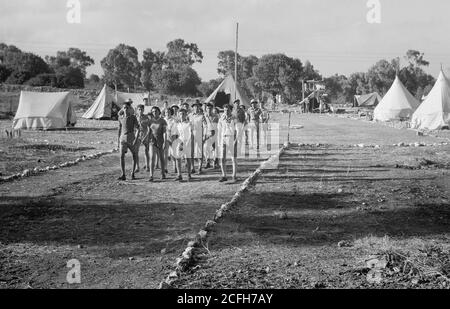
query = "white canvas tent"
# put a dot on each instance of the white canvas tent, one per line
(228, 92)
(434, 112)
(367, 100)
(397, 104)
(102, 108)
(49, 110)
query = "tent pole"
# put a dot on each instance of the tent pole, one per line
(236, 61)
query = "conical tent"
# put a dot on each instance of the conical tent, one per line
(367, 100)
(397, 104)
(434, 112)
(228, 92)
(102, 106)
(49, 110)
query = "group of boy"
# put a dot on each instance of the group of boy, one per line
(194, 133)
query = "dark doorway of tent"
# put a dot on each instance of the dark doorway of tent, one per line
(221, 99)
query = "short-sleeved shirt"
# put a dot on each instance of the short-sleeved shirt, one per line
(227, 125)
(265, 116)
(172, 126)
(255, 114)
(144, 125)
(128, 125)
(240, 115)
(211, 122)
(158, 129)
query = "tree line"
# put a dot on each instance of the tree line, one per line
(171, 72)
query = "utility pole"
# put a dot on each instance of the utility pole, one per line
(236, 61)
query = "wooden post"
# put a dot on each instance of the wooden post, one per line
(236, 61)
(289, 128)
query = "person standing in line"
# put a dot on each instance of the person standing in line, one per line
(182, 144)
(171, 136)
(240, 118)
(158, 127)
(265, 119)
(198, 128)
(144, 137)
(210, 136)
(227, 129)
(127, 139)
(254, 126)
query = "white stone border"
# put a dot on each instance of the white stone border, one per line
(37, 171)
(194, 251)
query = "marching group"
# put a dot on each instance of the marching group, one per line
(197, 132)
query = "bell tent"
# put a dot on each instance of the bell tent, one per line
(46, 111)
(104, 107)
(228, 92)
(434, 112)
(397, 104)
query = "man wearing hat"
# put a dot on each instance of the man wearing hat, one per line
(210, 136)
(198, 128)
(128, 138)
(254, 124)
(227, 129)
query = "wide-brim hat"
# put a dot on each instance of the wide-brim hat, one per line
(128, 102)
(253, 101)
(197, 104)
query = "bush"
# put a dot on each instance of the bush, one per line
(43, 80)
(18, 77)
(69, 77)
(4, 73)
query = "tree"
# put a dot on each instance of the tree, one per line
(337, 89)
(94, 78)
(188, 81)
(309, 73)
(416, 58)
(43, 80)
(69, 77)
(181, 81)
(166, 81)
(206, 88)
(226, 63)
(381, 76)
(280, 74)
(4, 73)
(247, 64)
(152, 62)
(122, 67)
(74, 57)
(23, 66)
(180, 54)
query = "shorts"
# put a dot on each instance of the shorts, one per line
(228, 147)
(124, 146)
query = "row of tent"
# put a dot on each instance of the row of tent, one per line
(399, 104)
(54, 110)
(102, 108)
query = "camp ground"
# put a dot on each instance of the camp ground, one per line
(333, 172)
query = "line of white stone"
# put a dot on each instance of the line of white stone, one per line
(37, 170)
(195, 252)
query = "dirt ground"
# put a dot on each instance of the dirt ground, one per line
(125, 234)
(284, 234)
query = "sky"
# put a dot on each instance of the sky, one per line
(333, 34)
